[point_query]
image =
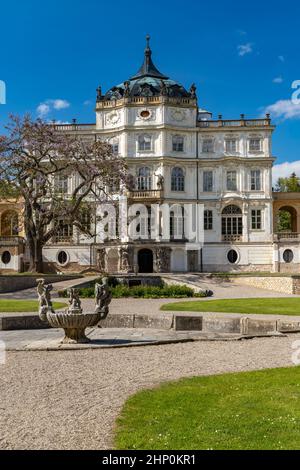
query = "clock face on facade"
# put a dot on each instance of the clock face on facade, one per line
(178, 115)
(113, 117)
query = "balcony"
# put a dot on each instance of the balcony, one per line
(11, 241)
(286, 236)
(266, 122)
(232, 238)
(63, 240)
(150, 194)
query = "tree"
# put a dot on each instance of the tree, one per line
(36, 160)
(289, 184)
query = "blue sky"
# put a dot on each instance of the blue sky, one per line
(243, 57)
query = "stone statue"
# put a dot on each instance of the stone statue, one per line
(125, 260)
(99, 93)
(130, 182)
(44, 296)
(103, 298)
(74, 301)
(163, 88)
(193, 91)
(160, 182)
(126, 89)
(163, 256)
(101, 260)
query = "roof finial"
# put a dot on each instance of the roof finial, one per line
(148, 37)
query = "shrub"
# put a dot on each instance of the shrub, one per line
(146, 292)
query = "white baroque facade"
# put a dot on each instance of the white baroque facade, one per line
(176, 153)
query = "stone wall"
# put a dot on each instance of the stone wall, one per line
(15, 283)
(284, 284)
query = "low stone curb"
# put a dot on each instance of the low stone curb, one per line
(244, 326)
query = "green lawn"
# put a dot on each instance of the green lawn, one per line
(10, 305)
(253, 410)
(276, 306)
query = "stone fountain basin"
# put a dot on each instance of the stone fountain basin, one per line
(73, 320)
(74, 324)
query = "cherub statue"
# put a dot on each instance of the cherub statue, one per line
(103, 298)
(74, 300)
(44, 296)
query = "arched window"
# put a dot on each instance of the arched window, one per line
(145, 142)
(177, 179)
(144, 179)
(232, 222)
(9, 224)
(178, 143)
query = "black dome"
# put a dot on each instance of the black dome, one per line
(149, 82)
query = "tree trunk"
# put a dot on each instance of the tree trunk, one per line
(36, 257)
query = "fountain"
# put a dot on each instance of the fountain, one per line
(74, 320)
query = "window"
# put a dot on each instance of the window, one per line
(62, 258)
(144, 179)
(6, 257)
(178, 142)
(207, 181)
(232, 223)
(208, 220)
(61, 184)
(232, 256)
(114, 142)
(288, 256)
(230, 145)
(256, 219)
(9, 224)
(86, 221)
(231, 181)
(177, 222)
(208, 146)
(255, 180)
(255, 145)
(177, 179)
(64, 232)
(145, 143)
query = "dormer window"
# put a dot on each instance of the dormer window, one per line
(178, 143)
(145, 143)
(231, 145)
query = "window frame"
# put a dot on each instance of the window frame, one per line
(177, 181)
(205, 183)
(179, 145)
(234, 187)
(208, 219)
(142, 143)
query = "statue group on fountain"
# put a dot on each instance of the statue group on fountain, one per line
(103, 298)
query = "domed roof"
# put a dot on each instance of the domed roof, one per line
(148, 81)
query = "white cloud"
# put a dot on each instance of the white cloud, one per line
(244, 49)
(43, 109)
(278, 80)
(283, 110)
(285, 169)
(241, 32)
(47, 106)
(281, 58)
(87, 103)
(60, 104)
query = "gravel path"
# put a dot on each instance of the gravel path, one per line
(69, 400)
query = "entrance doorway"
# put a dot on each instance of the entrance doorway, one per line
(145, 261)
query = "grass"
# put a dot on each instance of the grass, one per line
(20, 306)
(252, 410)
(275, 306)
